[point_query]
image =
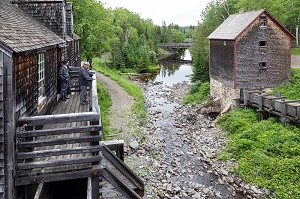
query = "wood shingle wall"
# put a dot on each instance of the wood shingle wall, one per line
(26, 70)
(50, 14)
(275, 54)
(225, 61)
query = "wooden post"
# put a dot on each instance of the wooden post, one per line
(283, 112)
(9, 124)
(260, 109)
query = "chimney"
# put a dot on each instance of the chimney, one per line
(241, 11)
(69, 19)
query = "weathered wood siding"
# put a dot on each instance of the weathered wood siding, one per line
(276, 55)
(26, 70)
(50, 14)
(2, 118)
(222, 61)
(7, 123)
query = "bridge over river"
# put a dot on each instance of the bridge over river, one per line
(176, 45)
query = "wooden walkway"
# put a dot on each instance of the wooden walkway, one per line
(287, 110)
(66, 145)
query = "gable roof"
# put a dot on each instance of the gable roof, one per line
(235, 24)
(20, 32)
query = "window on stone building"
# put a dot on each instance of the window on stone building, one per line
(263, 46)
(262, 65)
(263, 21)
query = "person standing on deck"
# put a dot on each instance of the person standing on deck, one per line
(84, 79)
(64, 78)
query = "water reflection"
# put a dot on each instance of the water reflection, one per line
(173, 70)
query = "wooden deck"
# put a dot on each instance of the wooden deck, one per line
(62, 145)
(67, 145)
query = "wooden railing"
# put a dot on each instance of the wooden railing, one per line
(287, 110)
(43, 153)
(60, 147)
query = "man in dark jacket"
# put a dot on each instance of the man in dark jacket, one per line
(64, 78)
(85, 77)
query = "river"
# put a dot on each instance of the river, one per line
(181, 143)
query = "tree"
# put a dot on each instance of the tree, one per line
(95, 27)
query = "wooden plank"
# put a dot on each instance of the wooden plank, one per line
(59, 118)
(57, 152)
(95, 171)
(54, 163)
(116, 145)
(38, 193)
(123, 168)
(58, 131)
(58, 141)
(119, 185)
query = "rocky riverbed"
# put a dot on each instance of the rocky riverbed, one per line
(176, 153)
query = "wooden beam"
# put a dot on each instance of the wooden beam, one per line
(58, 131)
(54, 163)
(59, 118)
(95, 171)
(58, 141)
(123, 168)
(39, 191)
(119, 184)
(57, 152)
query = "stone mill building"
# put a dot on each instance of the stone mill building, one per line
(248, 50)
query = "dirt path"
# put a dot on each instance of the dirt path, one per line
(121, 104)
(295, 61)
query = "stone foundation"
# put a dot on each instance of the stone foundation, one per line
(227, 95)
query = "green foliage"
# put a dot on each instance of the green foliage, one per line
(132, 89)
(295, 51)
(136, 45)
(171, 34)
(94, 25)
(267, 153)
(105, 104)
(198, 92)
(290, 89)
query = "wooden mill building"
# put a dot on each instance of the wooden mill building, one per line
(46, 144)
(248, 50)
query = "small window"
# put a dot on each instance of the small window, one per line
(263, 21)
(224, 43)
(263, 47)
(262, 44)
(262, 65)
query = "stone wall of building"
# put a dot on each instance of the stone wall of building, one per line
(226, 94)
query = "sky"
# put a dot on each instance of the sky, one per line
(180, 12)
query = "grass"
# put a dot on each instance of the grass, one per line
(198, 93)
(104, 98)
(132, 89)
(290, 89)
(295, 51)
(267, 153)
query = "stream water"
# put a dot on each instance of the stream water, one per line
(180, 163)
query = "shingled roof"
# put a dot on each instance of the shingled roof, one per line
(234, 25)
(22, 33)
